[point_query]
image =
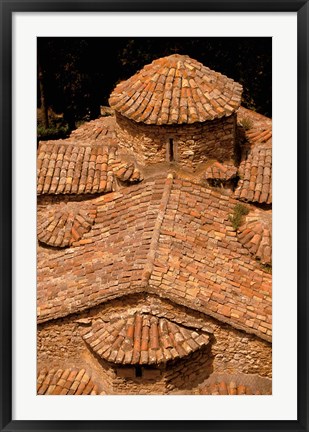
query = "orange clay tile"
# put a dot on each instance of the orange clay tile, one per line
(256, 236)
(175, 90)
(222, 172)
(69, 167)
(257, 136)
(167, 236)
(235, 385)
(63, 224)
(142, 339)
(258, 121)
(65, 382)
(255, 172)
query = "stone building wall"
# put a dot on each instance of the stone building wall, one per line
(185, 374)
(59, 344)
(192, 143)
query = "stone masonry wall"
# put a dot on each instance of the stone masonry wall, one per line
(192, 143)
(59, 344)
(187, 374)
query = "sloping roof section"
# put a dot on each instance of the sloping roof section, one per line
(176, 90)
(253, 120)
(100, 131)
(255, 171)
(167, 236)
(111, 263)
(142, 339)
(65, 382)
(259, 136)
(64, 224)
(69, 167)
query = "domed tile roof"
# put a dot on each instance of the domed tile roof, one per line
(235, 384)
(142, 339)
(65, 382)
(176, 90)
(64, 224)
(255, 235)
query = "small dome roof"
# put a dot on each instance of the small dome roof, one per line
(255, 235)
(176, 90)
(142, 339)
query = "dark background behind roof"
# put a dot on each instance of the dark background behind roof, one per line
(78, 74)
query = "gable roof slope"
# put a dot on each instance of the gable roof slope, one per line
(170, 237)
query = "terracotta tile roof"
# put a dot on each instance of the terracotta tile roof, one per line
(240, 384)
(142, 339)
(65, 382)
(259, 136)
(258, 121)
(176, 90)
(199, 261)
(171, 237)
(99, 131)
(255, 171)
(64, 224)
(112, 261)
(218, 171)
(256, 236)
(69, 167)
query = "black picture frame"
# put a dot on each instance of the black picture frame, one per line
(7, 8)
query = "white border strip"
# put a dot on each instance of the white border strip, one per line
(282, 404)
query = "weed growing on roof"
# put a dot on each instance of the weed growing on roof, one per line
(246, 123)
(267, 268)
(236, 218)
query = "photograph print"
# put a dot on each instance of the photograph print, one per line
(154, 216)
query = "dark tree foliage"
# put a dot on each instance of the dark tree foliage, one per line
(79, 74)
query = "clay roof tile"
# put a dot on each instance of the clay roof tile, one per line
(176, 77)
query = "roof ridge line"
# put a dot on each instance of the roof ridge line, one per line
(156, 231)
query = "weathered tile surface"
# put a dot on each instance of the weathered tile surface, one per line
(64, 224)
(65, 382)
(199, 260)
(142, 339)
(239, 384)
(171, 237)
(256, 236)
(176, 90)
(255, 171)
(69, 167)
(219, 171)
(111, 260)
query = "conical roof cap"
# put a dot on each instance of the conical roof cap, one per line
(176, 90)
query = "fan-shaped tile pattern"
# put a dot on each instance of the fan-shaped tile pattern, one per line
(255, 235)
(66, 167)
(240, 384)
(218, 171)
(61, 225)
(65, 382)
(142, 339)
(255, 171)
(176, 90)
